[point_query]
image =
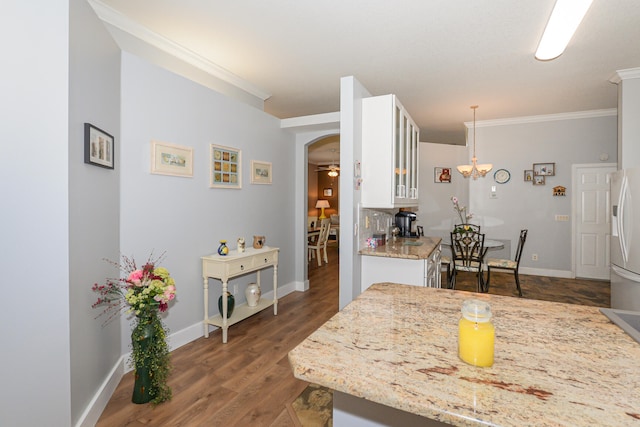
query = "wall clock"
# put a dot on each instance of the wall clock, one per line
(502, 176)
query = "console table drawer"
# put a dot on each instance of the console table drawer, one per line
(239, 266)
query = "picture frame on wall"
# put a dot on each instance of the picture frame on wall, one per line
(528, 175)
(544, 169)
(538, 180)
(327, 192)
(442, 175)
(171, 159)
(261, 172)
(98, 147)
(225, 168)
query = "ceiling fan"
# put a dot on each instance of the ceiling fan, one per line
(332, 167)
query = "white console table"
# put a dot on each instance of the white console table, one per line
(232, 265)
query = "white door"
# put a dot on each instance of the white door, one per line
(592, 220)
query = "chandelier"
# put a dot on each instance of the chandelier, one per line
(474, 170)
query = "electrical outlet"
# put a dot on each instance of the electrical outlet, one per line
(235, 289)
(562, 217)
(534, 257)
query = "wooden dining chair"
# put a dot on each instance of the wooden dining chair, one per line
(467, 249)
(507, 264)
(320, 243)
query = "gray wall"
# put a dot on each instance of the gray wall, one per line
(519, 204)
(94, 202)
(34, 319)
(183, 216)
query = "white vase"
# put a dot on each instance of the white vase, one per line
(253, 293)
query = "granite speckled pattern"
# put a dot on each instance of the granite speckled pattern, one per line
(555, 364)
(407, 251)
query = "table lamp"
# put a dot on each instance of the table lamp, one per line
(321, 204)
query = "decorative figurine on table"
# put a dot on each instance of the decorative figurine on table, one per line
(259, 241)
(223, 249)
(240, 244)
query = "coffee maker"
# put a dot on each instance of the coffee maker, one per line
(404, 220)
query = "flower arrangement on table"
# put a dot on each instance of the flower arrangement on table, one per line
(461, 211)
(145, 291)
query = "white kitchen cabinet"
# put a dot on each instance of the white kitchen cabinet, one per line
(417, 272)
(390, 153)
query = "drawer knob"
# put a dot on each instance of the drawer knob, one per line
(241, 267)
(265, 260)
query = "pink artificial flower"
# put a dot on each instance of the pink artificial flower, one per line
(135, 277)
(454, 199)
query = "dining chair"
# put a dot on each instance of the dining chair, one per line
(467, 249)
(321, 242)
(507, 264)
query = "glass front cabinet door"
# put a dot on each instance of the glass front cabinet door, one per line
(390, 143)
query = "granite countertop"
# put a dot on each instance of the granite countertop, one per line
(406, 248)
(555, 364)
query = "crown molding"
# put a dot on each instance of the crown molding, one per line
(544, 118)
(629, 73)
(123, 23)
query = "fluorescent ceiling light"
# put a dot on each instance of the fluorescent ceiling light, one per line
(564, 20)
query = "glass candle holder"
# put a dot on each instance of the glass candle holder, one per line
(476, 334)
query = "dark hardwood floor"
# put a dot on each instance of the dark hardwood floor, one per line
(248, 381)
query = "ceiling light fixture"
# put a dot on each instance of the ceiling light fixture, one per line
(333, 173)
(563, 23)
(474, 170)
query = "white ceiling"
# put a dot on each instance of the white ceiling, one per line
(438, 56)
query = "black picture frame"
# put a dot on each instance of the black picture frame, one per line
(99, 149)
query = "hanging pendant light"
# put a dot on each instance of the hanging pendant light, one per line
(474, 170)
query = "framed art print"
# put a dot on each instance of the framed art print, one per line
(544, 169)
(260, 172)
(171, 159)
(98, 147)
(225, 167)
(528, 175)
(327, 192)
(442, 175)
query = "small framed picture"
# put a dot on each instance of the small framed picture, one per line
(98, 147)
(225, 167)
(171, 159)
(528, 175)
(544, 169)
(442, 175)
(260, 172)
(538, 180)
(327, 192)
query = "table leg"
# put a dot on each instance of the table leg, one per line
(225, 326)
(206, 307)
(275, 289)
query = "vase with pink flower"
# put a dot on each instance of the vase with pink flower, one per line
(461, 211)
(146, 291)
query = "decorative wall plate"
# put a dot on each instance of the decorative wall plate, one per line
(502, 176)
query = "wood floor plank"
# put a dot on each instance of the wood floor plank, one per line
(248, 380)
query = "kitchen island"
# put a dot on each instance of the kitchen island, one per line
(414, 261)
(394, 348)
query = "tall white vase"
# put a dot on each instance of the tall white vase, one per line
(252, 292)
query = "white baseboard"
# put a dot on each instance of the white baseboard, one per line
(92, 412)
(565, 274)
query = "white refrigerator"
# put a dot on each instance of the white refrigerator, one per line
(625, 239)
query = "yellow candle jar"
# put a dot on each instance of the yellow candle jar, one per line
(476, 335)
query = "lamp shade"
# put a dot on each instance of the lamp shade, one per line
(322, 204)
